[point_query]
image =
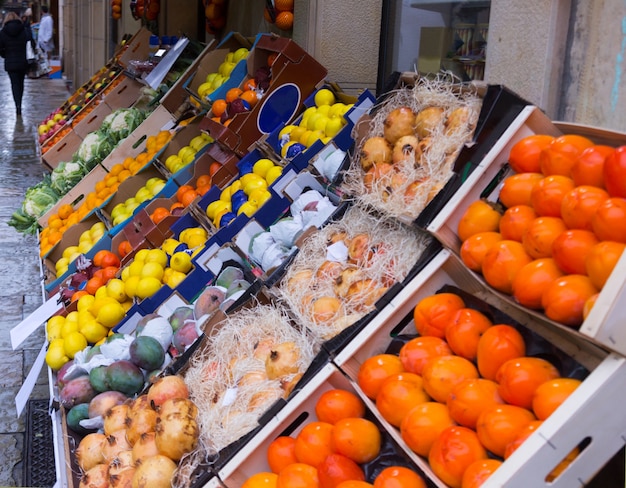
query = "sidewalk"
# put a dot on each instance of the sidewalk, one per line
(20, 288)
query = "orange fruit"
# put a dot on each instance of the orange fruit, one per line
(496, 346)
(609, 220)
(550, 394)
(516, 189)
(337, 404)
(281, 452)
(65, 210)
(453, 452)
(561, 155)
(374, 370)
(261, 480)
(313, 443)
(548, 193)
(474, 248)
(356, 438)
(398, 394)
(283, 4)
(336, 468)
(250, 97)
(502, 262)
(203, 180)
(470, 398)
(219, 107)
(515, 221)
(478, 472)
(524, 155)
(499, 425)
(480, 216)
(398, 477)
(441, 374)
(564, 299)
(432, 313)
(159, 214)
(423, 424)
(571, 248)
(531, 281)
(298, 475)
(284, 20)
(464, 331)
(540, 235)
(233, 94)
(417, 351)
(519, 378)
(601, 261)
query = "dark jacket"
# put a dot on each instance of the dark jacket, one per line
(13, 38)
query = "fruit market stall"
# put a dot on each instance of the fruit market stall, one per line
(253, 270)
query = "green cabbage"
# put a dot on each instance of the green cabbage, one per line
(93, 149)
(66, 175)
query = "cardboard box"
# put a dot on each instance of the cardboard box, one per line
(92, 121)
(137, 48)
(61, 151)
(295, 75)
(585, 414)
(124, 94)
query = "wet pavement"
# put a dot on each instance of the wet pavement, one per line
(20, 284)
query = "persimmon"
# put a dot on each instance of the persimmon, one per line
(550, 394)
(298, 475)
(354, 484)
(519, 378)
(159, 214)
(614, 172)
(515, 221)
(423, 424)
(337, 404)
(261, 480)
(564, 299)
(496, 346)
(398, 394)
(609, 220)
(589, 166)
(453, 452)
(540, 235)
(589, 303)
(313, 443)
(281, 452)
(357, 438)
(579, 206)
(548, 193)
(124, 248)
(601, 260)
(432, 313)
(203, 180)
(561, 155)
(524, 155)
(374, 370)
(93, 284)
(474, 248)
(188, 197)
(336, 468)
(516, 189)
(441, 374)
(181, 191)
(478, 472)
(398, 477)
(531, 281)
(480, 216)
(571, 248)
(523, 434)
(502, 262)
(470, 398)
(417, 351)
(498, 425)
(464, 331)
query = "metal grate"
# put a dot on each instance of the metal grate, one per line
(39, 468)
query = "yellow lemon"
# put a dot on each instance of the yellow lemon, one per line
(169, 245)
(324, 109)
(273, 174)
(116, 289)
(93, 331)
(314, 136)
(285, 131)
(67, 328)
(127, 305)
(259, 197)
(255, 185)
(247, 178)
(111, 314)
(216, 207)
(85, 246)
(196, 240)
(54, 331)
(56, 357)
(101, 292)
(324, 97)
(134, 268)
(336, 109)
(72, 316)
(141, 255)
(130, 286)
(157, 256)
(296, 134)
(235, 186)
(247, 208)
(175, 279)
(85, 302)
(166, 274)
(147, 287)
(73, 343)
(99, 303)
(181, 261)
(68, 251)
(84, 316)
(125, 274)
(262, 166)
(152, 269)
(55, 321)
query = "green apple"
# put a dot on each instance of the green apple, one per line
(143, 194)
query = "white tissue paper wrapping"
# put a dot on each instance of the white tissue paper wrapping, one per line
(329, 166)
(337, 251)
(274, 256)
(286, 231)
(259, 244)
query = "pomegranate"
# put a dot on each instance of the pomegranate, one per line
(115, 418)
(375, 150)
(89, 452)
(122, 461)
(167, 387)
(427, 121)
(407, 148)
(458, 120)
(140, 421)
(96, 477)
(181, 406)
(399, 123)
(176, 435)
(283, 360)
(115, 443)
(144, 447)
(123, 479)
(155, 472)
(325, 309)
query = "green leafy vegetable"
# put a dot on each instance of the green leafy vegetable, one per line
(66, 175)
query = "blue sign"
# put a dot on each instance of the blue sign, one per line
(278, 107)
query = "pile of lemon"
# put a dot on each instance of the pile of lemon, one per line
(87, 239)
(186, 154)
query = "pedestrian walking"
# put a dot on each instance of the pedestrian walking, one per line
(13, 39)
(46, 32)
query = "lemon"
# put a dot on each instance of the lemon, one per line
(152, 269)
(196, 240)
(69, 251)
(285, 148)
(157, 256)
(262, 166)
(333, 126)
(285, 131)
(247, 208)
(125, 273)
(225, 194)
(336, 109)
(324, 109)
(147, 287)
(99, 303)
(175, 279)
(324, 97)
(93, 331)
(309, 111)
(111, 314)
(216, 207)
(56, 357)
(273, 174)
(166, 275)
(127, 305)
(296, 134)
(83, 316)
(116, 289)
(259, 197)
(55, 321)
(169, 245)
(101, 292)
(84, 246)
(141, 255)
(181, 261)
(72, 316)
(54, 331)
(134, 268)
(85, 302)
(68, 328)
(255, 185)
(73, 343)
(130, 286)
